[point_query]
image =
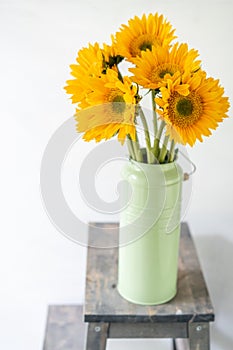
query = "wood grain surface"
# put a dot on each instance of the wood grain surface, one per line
(103, 303)
(65, 328)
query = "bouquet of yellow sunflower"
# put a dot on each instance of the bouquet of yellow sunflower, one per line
(186, 103)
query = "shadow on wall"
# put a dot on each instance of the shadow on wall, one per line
(216, 256)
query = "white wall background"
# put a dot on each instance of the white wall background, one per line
(38, 266)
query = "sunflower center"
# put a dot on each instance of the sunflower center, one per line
(160, 71)
(146, 45)
(117, 102)
(142, 43)
(164, 72)
(184, 107)
(118, 98)
(184, 111)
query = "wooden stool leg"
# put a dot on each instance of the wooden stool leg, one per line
(199, 336)
(97, 335)
(174, 344)
(181, 344)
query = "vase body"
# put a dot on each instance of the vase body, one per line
(149, 232)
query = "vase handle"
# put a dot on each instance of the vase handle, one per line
(194, 168)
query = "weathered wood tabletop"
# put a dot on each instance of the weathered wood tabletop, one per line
(103, 303)
(65, 329)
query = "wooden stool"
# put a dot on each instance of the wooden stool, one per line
(185, 319)
(187, 316)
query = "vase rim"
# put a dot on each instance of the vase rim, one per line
(165, 165)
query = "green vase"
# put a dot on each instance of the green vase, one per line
(149, 232)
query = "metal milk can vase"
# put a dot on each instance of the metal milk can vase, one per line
(149, 232)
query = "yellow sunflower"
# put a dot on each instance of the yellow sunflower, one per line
(143, 33)
(192, 108)
(153, 67)
(89, 64)
(113, 109)
(92, 61)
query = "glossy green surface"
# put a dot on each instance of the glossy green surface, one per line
(149, 233)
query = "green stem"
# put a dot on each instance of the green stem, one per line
(163, 151)
(155, 123)
(137, 151)
(157, 139)
(150, 157)
(119, 74)
(130, 148)
(172, 151)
